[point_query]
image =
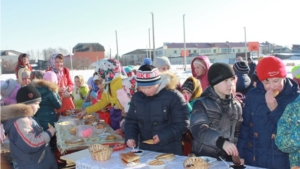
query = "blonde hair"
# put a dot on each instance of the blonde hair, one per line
(81, 80)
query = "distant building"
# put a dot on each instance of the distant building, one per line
(90, 52)
(296, 48)
(135, 57)
(194, 49)
(9, 59)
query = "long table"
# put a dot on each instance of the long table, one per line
(84, 160)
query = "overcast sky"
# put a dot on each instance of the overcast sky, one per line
(32, 24)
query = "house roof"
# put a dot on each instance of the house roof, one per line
(7, 52)
(83, 47)
(205, 45)
(137, 52)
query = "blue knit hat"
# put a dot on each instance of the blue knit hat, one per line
(147, 61)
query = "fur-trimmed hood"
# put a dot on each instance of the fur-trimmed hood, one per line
(168, 80)
(197, 87)
(43, 83)
(8, 87)
(15, 111)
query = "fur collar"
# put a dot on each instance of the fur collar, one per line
(168, 80)
(43, 83)
(15, 110)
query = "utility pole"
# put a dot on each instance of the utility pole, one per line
(153, 36)
(184, 42)
(118, 58)
(245, 44)
(150, 56)
(109, 52)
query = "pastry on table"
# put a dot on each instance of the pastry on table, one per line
(72, 130)
(129, 157)
(150, 141)
(74, 141)
(100, 126)
(166, 156)
(156, 162)
(111, 137)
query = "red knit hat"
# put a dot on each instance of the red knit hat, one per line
(270, 67)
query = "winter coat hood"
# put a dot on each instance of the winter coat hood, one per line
(203, 78)
(43, 83)
(8, 87)
(169, 81)
(12, 112)
(197, 88)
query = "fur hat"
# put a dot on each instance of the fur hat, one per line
(148, 75)
(219, 72)
(296, 71)
(37, 74)
(28, 94)
(161, 61)
(270, 67)
(241, 66)
(51, 76)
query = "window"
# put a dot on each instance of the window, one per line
(239, 50)
(195, 51)
(215, 50)
(232, 50)
(175, 51)
(205, 51)
(189, 51)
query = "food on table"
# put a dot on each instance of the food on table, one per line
(150, 141)
(195, 162)
(88, 116)
(156, 162)
(129, 157)
(100, 126)
(90, 121)
(72, 130)
(111, 137)
(74, 141)
(167, 156)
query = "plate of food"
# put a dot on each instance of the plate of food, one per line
(165, 157)
(116, 146)
(208, 159)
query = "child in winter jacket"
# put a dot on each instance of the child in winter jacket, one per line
(296, 73)
(27, 140)
(24, 76)
(191, 90)
(288, 132)
(243, 84)
(200, 66)
(264, 106)
(9, 89)
(110, 71)
(158, 112)
(80, 91)
(216, 115)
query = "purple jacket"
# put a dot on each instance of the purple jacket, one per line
(9, 89)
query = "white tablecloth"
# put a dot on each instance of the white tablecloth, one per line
(115, 162)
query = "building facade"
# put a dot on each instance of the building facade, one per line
(88, 52)
(136, 57)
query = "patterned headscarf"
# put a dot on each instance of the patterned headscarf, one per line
(59, 72)
(107, 69)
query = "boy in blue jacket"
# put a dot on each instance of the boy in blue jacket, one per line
(263, 108)
(29, 144)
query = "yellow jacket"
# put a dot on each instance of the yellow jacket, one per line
(106, 98)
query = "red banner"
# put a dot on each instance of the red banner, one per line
(187, 53)
(253, 46)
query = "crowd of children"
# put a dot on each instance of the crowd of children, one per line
(204, 115)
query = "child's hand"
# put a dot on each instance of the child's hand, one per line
(156, 139)
(230, 148)
(131, 143)
(52, 130)
(81, 114)
(270, 100)
(66, 94)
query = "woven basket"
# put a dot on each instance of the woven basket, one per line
(100, 152)
(197, 162)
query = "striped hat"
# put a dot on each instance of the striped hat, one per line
(296, 71)
(147, 75)
(241, 66)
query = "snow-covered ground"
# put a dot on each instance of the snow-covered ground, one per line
(177, 69)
